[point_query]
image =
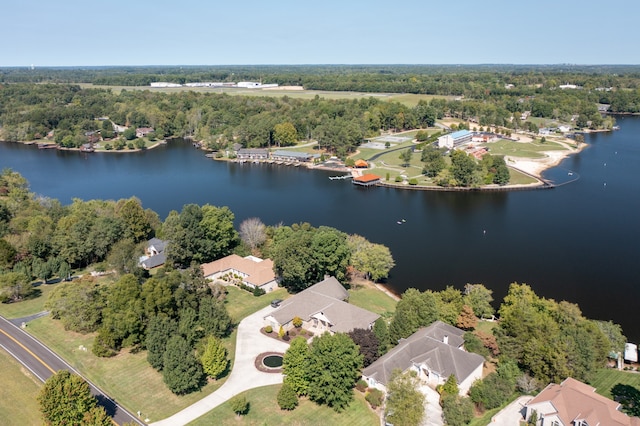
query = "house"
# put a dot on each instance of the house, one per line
(291, 156)
(573, 403)
(253, 271)
(435, 353)
(154, 254)
(141, 132)
(252, 154)
(322, 307)
(455, 139)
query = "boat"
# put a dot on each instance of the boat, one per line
(570, 173)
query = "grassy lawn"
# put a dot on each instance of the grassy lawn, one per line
(241, 303)
(519, 178)
(373, 300)
(264, 410)
(607, 378)
(521, 149)
(27, 307)
(486, 326)
(18, 392)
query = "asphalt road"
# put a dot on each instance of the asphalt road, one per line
(43, 363)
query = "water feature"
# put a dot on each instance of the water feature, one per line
(272, 361)
(578, 242)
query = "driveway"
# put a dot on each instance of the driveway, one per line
(432, 408)
(511, 415)
(249, 344)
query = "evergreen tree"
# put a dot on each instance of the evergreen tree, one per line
(287, 398)
(214, 358)
(181, 372)
(239, 405)
(159, 331)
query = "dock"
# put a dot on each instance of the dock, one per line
(341, 177)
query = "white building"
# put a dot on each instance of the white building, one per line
(164, 84)
(455, 139)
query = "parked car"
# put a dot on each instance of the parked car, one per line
(275, 303)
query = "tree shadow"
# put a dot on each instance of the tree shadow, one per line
(108, 404)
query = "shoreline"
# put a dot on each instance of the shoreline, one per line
(49, 145)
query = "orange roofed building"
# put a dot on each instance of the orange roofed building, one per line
(573, 403)
(361, 164)
(252, 271)
(366, 180)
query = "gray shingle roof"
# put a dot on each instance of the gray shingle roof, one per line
(326, 297)
(426, 346)
(154, 261)
(158, 244)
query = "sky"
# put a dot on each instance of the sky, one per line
(251, 32)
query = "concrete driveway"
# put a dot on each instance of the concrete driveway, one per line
(432, 408)
(249, 344)
(511, 415)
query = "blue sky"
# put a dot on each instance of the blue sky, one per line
(199, 32)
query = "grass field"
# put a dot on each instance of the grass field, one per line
(407, 99)
(27, 307)
(522, 149)
(373, 300)
(607, 378)
(264, 410)
(18, 392)
(519, 178)
(241, 303)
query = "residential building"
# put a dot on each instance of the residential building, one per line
(434, 353)
(141, 132)
(154, 254)
(250, 270)
(322, 308)
(455, 139)
(573, 403)
(291, 156)
(252, 154)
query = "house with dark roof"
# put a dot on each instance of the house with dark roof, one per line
(252, 154)
(252, 271)
(322, 307)
(434, 353)
(154, 254)
(291, 156)
(573, 403)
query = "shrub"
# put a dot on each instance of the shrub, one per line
(281, 332)
(268, 329)
(257, 291)
(374, 397)
(398, 179)
(413, 181)
(303, 332)
(361, 385)
(297, 322)
(287, 398)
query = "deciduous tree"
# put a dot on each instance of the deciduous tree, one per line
(182, 373)
(405, 402)
(295, 366)
(214, 358)
(65, 399)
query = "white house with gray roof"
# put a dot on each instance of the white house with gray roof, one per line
(322, 307)
(435, 353)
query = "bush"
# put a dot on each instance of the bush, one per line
(287, 398)
(361, 385)
(257, 291)
(281, 332)
(268, 329)
(297, 322)
(398, 179)
(374, 397)
(413, 181)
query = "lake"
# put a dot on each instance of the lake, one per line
(578, 242)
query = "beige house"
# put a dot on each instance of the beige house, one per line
(251, 271)
(435, 353)
(573, 403)
(322, 307)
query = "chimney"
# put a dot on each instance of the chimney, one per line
(445, 339)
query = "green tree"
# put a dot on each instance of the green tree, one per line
(463, 168)
(414, 310)
(450, 386)
(295, 366)
(457, 411)
(214, 358)
(479, 298)
(129, 134)
(285, 134)
(137, 224)
(381, 330)
(239, 405)
(287, 398)
(405, 156)
(97, 416)
(334, 368)
(613, 333)
(78, 305)
(65, 399)
(213, 317)
(405, 402)
(14, 287)
(7, 255)
(182, 373)
(629, 397)
(123, 314)
(373, 260)
(159, 331)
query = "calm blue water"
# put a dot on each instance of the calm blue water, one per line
(578, 242)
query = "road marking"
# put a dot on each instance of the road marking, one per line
(27, 349)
